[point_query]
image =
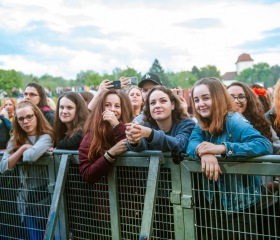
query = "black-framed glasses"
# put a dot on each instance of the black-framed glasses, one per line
(28, 118)
(240, 98)
(30, 94)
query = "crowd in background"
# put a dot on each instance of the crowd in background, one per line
(235, 122)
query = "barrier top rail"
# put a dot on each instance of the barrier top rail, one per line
(264, 158)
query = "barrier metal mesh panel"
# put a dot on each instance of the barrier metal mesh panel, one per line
(213, 221)
(163, 226)
(88, 207)
(131, 189)
(89, 210)
(24, 202)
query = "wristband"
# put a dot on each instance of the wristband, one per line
(108, 158)
(110, 155)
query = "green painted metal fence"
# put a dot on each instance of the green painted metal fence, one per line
(144, 196)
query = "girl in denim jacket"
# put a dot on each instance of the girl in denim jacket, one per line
(221, 130)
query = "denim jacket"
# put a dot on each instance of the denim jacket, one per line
(241, 140)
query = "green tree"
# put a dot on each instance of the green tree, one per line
(259, 73)
(93, 79)
(183, 79)
(246, 76)
(275, 75)
(157, 69)
(195, 71)
(129, 72)
(209, 71)
(10, 81)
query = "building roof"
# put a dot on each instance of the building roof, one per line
(244, 57)
(229, 76)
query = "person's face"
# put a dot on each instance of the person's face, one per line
(238, 94)
(67, 110)
(135, 97)
(113, 104)
(27, 120)
(160, 106)
(31, 94)
(9, 106)
(147, 86)
(202, 100)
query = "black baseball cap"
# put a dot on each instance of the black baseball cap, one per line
(150, 77)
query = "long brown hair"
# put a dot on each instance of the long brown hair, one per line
(254, 111)
(41, 92)
(43, 126)
(264, 98)
(222, 104)
(176, 112)
(79, 120)
(141, 107)
(277, 107)
(101, 136)
(14, 107)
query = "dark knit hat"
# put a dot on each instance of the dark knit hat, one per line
(150, 77)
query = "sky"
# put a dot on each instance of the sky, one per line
(65, 37)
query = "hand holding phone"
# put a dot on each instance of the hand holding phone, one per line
(117, 84)
(133, 80)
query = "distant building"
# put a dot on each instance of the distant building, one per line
(243, 62)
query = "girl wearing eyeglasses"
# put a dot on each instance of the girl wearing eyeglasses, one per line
(251, 107)
(32, 137)
(36, 94)
(221, 130)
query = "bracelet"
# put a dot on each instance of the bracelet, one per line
(110, 155)
(108, 158)
(276, 180)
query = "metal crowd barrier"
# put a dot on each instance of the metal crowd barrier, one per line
(25, 199)
(145, 196)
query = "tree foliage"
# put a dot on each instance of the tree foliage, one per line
(259, 73)
(9, 81)
(157, 69)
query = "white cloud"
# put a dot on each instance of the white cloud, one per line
(142, 32)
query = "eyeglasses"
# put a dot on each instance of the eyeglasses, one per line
(30, 94)
(28, 118)
(240, 98)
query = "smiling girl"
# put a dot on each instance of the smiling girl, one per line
(104, 134)
(70, 118)
(164, 129)
(221, 130)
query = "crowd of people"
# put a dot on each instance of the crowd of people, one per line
(234, 122)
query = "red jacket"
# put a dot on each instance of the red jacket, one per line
(93, 169)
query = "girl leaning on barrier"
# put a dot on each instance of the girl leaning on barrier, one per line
(70, 118)
(104, 134)
(165, 128)
(221, 130)
(32, 137)
(249, 105)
